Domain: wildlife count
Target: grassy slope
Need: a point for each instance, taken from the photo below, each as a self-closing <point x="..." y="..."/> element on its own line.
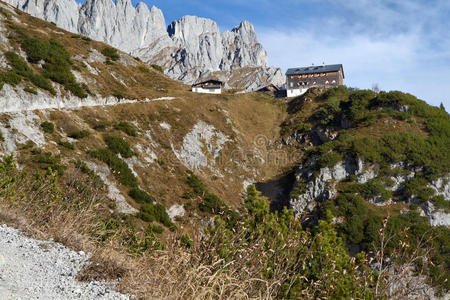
<point x="252" y="116"/>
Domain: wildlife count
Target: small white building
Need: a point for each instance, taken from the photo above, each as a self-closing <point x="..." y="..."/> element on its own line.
<point x="208" y="87"/>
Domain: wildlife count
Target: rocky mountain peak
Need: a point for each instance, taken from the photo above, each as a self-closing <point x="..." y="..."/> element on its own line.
<point x="246" y="30"/>
<point x="186" y="49"/>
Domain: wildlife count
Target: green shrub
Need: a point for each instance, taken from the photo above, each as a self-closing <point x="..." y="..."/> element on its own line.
<point x="57" y="65"/>
<point x="42" y="82"/>
<point x="140" y="196"/>
<point x="86" y="39"/>
<point x="76" y="36"/>
<point x="118" y="145"/>
<point x="212" y="204"/>
<point x="440" y="202"/>
<point x="79" y="134"/>
<point x="48" y="127"/>
<point x="110" y="53"/>
<point x="303" y="127"/>
<point x="137" y="58"/>
<point x="329" y="159"/>
<point x="186" y="241"/>
<point x="3" y="12"/>
<point x="157" y="68"/>
<point x="143" y="69"/>
<point x="127" y="128"/>
<point x="30" y="90"/>
<point x="150" y="213"/>
<point x="155" y="229"/>
<point x="10" y="78"/>
<point x="47" y="161"/>
<point x="418" y="187"/>
<point x="373" y="188"/>
<point x="66" y="144"/>
<point x="83" y="167"/>
<point x="36" y="49"/>
<point x="196" y="184"/>
<point x="120" y="169"/>
<point x="100" y="127"/>
<point x="2" y="139"/>
<point x="118" y="95"/>
<point x="109" y="62"/>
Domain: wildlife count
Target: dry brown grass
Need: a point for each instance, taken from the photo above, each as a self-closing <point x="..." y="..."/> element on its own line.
<point x="70" y="216"/>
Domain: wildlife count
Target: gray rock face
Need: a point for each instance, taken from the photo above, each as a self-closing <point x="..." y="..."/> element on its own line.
<point x="437" y="217"/>
<point x="64" y="13"/>
<point x="121" y="24"/>
<point x="187" y="49"/>
<point x="321" y="186"/>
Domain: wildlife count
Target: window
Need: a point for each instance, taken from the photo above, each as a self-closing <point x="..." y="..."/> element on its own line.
<point x="292" y="84"/>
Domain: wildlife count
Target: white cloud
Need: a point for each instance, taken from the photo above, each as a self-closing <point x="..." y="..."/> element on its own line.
<point x="400" y="45"/>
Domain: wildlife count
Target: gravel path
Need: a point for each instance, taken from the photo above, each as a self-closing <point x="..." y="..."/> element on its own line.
<point x="33" y="269"/>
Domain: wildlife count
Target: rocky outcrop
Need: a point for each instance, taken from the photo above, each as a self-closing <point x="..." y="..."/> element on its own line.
<point x="320" y="185"/>
<point x="64" y="13"/>
<point x="437" y="217"/>
<point x="202" y="136"/>
<point x="121" y="25"/>
<point x="187" y="49"/>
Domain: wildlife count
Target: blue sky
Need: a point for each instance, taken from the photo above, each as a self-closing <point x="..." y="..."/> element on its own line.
<point x="397" y="44"/>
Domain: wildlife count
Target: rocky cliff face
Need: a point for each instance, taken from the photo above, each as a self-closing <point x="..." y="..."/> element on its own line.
<point x="187" y="49"/>
<point x="321" y="185"/>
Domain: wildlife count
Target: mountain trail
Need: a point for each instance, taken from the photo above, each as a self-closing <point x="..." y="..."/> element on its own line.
<point x="33" y="269"/>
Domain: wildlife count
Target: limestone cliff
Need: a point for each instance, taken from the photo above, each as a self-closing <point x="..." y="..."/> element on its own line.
<point x="186" y="49"/>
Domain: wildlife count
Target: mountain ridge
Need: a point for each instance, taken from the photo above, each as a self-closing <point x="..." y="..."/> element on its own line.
<point x="187" y="48"/>
<point x="135" y="162"/>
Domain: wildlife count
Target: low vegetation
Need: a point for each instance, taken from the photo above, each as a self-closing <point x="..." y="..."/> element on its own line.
<point x="111" y="53"/>
<point x="66" y="145"/>
<point x="361" y="107"/>
<point x="48" y="127"/>
<point x="120" y="168"/>
<point x="55" y="61"/>
<point x="20" y="71"/>
<point x="354" y="113"/>
<point x="210" y="202"/>
<point x="158" y="68"/>
<point x="79" y="134"/>
<point x="30" y="90"/>
<point x="127" y="128"/>
<point x="118" y="145"/>
<point x="144" y="69"/>
<point x="141" y="196"/>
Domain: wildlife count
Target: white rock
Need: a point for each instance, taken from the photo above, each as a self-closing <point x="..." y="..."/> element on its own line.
<point x="114" y="193"/>
<point x="176" y="211"/>
<point x="202" y="136"/>
<point x="437" y="217"/>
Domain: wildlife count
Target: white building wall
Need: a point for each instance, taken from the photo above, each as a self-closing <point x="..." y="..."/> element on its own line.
<point x="295" y="92"/>
<point x="206" y="91"/>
